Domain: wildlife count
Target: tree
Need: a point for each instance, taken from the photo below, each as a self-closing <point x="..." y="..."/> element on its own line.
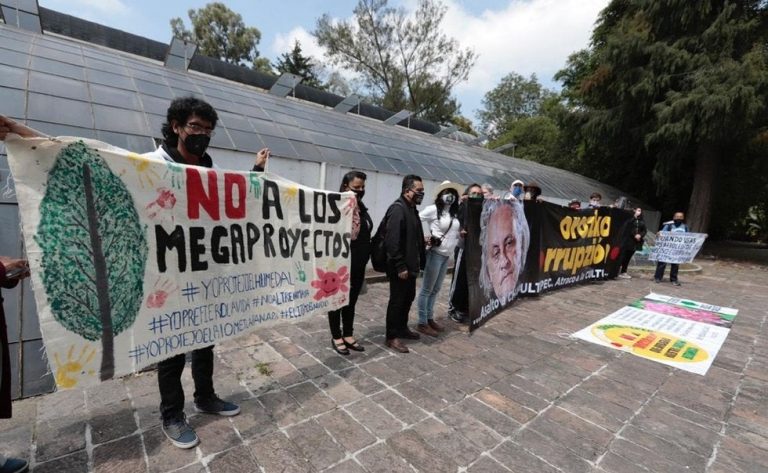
<point x="514" y="98"/>
<point x="93" y="250"/>
<point x="671" y="89"/>
<point x="295" y="62"/>
<point x="221" y="33"/>
<point x="405" y="61"/>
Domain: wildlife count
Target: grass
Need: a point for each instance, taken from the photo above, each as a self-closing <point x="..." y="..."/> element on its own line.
<point x="264" y="368"/>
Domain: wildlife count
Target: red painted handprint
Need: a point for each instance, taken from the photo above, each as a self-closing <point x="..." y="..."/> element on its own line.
<point x="158" y="297"/>
<point x="165" y="201"/>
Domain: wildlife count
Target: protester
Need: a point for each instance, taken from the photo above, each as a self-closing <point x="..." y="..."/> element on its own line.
<point x="12" y="270"/>
<point x="362" y="225"/>
<point x="487" y="190"/>
<point x="505" y="238"/>
<point x="594" y="200"/>
<point x="574" y="204"/>
<point x="532" y="192"/>
<point x="404" y="242"/>
<point x="458" y="296"/>
<point x="677" y="225"/>
<point x="444" y="236"/>
<point x="632" y="240"/>
<point x="515" y="190"/>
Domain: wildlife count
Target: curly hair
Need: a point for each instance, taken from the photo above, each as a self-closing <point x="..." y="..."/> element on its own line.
<point x="522" y="239"/>
<point x="180" y="110"/>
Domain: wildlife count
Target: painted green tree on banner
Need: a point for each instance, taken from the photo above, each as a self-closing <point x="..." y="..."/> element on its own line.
<point x="94" y="249"/>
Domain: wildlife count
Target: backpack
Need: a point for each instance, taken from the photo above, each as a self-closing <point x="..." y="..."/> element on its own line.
<point x="378" y="248"/>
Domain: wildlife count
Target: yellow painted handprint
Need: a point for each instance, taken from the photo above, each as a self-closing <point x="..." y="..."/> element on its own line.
<point x="69" y="372"/>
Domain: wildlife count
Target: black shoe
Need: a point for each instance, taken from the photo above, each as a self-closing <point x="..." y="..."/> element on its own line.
<point x="340" y="349"/>
<point x="410" y="335"/>
<point x="676" y="283"/>
<point x="657" y="281"/>
<point x="458" y="317"/>
<point x="354" y="346"/>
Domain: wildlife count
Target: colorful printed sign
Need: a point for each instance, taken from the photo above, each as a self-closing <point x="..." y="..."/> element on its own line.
<point x="136" y="260"/>
<point x="677" y="247"/>
<point x="673" y="331"/>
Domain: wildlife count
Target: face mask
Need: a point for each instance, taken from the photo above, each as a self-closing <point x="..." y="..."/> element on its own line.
<point x="448" y="199"/>
<point x="359" y="194"/>
<point x="197" y="144"/>
<point x="637" y="214"/>
<point x="516" y="191"/>
<point x="476" y="196"/>
<point x="418" y="197"/>
<point x="678" y="222"/>
<point x="528" y="196"/>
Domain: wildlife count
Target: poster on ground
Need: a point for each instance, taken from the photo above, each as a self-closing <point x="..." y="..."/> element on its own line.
<point x="135" y="260"/>
<point x="677" y="332"/>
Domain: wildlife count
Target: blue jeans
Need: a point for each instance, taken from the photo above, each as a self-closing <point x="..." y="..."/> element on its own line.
<point x="434" y="273"/>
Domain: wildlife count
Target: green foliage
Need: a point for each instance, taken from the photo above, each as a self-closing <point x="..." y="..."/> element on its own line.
<point x="405" y="61"/>
<point x="295" y="62"/>
<point x="221" y="33"/>
<point x="668" y="93"/>
<point x="513" y="99"/>
<point x="535" y="138"/>
<point x="69" y="273"/>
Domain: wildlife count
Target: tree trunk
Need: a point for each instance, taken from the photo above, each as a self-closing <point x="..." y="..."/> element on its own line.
<point x="101" y="276"/>
<point x="700" y="204"/>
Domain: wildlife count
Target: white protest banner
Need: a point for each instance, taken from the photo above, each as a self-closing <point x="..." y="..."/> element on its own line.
<point x="136" y="260"/>
<point x="676" y="332"/>
<point x="677" y="247"/>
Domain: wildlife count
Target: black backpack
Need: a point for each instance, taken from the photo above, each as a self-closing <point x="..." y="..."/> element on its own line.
<point x="378" y="248"/>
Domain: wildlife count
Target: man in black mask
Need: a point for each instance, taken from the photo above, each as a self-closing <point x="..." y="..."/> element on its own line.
<point x="187" y="131"/>
<point x="405" y="258"/>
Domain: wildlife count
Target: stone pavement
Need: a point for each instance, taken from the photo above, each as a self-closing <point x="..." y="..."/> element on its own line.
<point x="518" y="395"/>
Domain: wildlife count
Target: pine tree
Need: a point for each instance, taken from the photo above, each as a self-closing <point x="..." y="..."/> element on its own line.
<point x="669" y="90"/>
<point x="295" y="62"/>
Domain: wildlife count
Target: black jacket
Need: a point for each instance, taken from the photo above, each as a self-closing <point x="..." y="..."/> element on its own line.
<point x="633" y="227"/>
<point x="404" y="240"/>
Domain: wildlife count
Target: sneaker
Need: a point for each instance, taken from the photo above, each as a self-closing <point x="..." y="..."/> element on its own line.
<point x="624" y="276"/>
<point x="217" y="406"/>
<point x="657" y="281"/>
<point x="676" y="283"/>
<point x="180" y="433"/>
<point x="15" y="465"/>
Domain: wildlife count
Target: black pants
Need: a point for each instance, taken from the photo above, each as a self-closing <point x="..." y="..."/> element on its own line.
<point x="626" y="257"/>
<point x="458" y="297"/>
<point x="169" y="381"/>
<point x="346" y="315"/>
<point x="660" y="267"/>
<point x="401" y="295"/>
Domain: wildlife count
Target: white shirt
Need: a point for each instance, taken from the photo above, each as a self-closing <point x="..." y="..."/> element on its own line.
<point x="445" y="227"/>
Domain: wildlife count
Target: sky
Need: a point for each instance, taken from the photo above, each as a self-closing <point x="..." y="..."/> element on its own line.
<point x="522" y="36"/>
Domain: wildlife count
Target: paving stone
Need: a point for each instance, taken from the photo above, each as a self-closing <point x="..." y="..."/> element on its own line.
<point x="587" y="440"/>
<point x="309" y="366"/>
<point x="112" y="421"/>
<point x="312" y="400"/>
<point x="75" y="463"/>
<point x="477" y="432"/>
<point x="276" y="452"/>
<point x="518" y="460"/>
<point x="349" y="433"/>
<point x="234" y="460"/>
<point x="404" y="410"/>
<point x="338" y="389"/>
<point x="552" y="452"/>
<point x="505" y="405"/>
<point x="347" y="466"/>
<point x="688" y="435"/>
<point x="423" y="398"/>
<point x="374" y="417"/>
<point x="663" y="448"/>
<point x="16" y="442"/>
<point x="635" y="454"/>
<point x="121" y="456"/>
<point x="360" y="380"/>
<point x="604" y="413"/>
<point x="319" y="447"/>
<point x="60" y="404"/>
<point x="416" y="451"/>
<point x="216" y="433"/>
<point x="449" y="442"/>
<point x="282" y="407"/>
<point x="254" y="420"/>
<point x="59" y="437"/>
<point x="500" y="423"/>
<point x="381" y="459"/>
<point x="486" y="464"/>
<point x="162" y="454"/>
<point x="612" y="463"/>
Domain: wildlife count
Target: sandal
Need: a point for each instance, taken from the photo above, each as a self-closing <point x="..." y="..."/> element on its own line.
<point x="341" y="348"/>
<point x="354" y="346"/>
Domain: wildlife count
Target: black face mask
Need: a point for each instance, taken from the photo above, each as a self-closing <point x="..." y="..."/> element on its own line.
<point x="678" y="222"/>
<point x="197" y="144"/>
<point x="476" y="197"/>
<point x="359" y="194"/>
<point x="418" y="197"/>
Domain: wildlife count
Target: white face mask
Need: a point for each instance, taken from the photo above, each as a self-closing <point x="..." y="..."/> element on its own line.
<point x="594" y="202"/>
<point x="448" y="199"/>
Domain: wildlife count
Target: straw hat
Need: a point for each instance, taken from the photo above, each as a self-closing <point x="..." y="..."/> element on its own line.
<point x="448" y="185"/>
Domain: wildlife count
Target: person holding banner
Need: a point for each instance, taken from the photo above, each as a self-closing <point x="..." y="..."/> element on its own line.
<point x="458" y="296"/>
<point x="404" y="242"/>
<point x="12" y="270"/>
<point x="632" y="240"/>
<point x="505" y="237"/>
<point x="362" y="225"/>
<point x="677" y="225"/>
<point x="441" y="217"/>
